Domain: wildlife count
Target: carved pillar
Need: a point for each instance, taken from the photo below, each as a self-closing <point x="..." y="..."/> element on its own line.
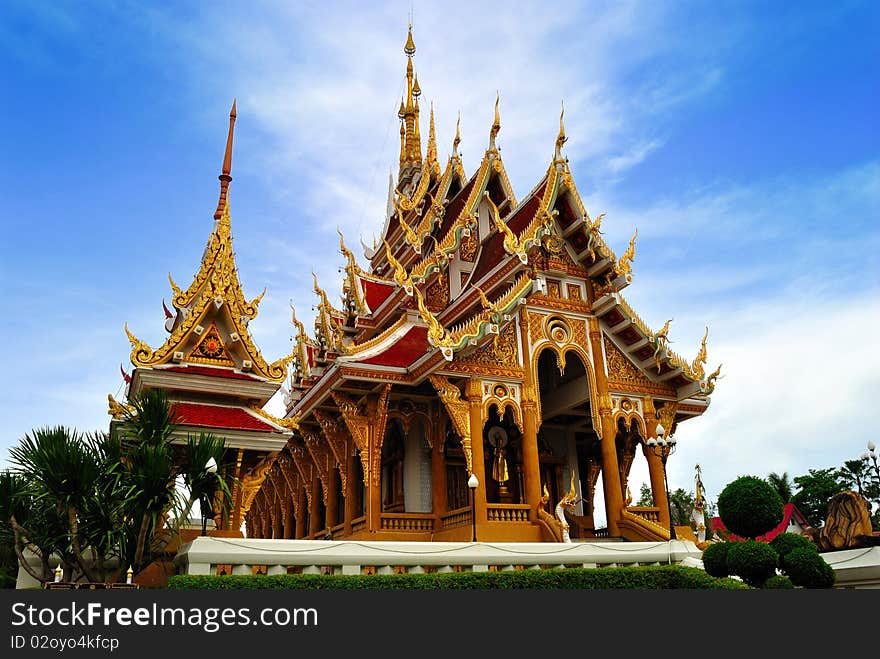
<point x="367" y="428"/>
<point x="610" y="469"/>
<point x="655" y="466"/>
<point x="278" y="517"/>
<point x="332" y="498"/>
<point x="316" y="522"/>
<point x="439" y="504"/>
<point x="235" y="518"/>
<point x="474" y="393"/>
<point x="288" y="516"/>
<point x="531" y="461"/>
<point x="350" y="496"/>
<point x="300" y="504"/>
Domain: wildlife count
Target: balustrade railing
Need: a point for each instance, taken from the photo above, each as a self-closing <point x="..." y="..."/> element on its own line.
<point x="507" y="512"/>
<point x="414" y="522"/>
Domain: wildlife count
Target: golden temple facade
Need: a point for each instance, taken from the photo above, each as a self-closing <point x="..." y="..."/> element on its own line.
<point x="484" y="341"/>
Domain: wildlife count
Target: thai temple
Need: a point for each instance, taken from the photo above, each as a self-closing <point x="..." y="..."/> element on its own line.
<point x="482" y="373"/>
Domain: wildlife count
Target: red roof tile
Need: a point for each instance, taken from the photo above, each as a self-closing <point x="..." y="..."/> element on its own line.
<point x="216" y="416"/>
<point x="403" y="352"/>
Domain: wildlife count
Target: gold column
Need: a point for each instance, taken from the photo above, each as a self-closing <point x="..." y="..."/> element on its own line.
<point x="332" y="498"/>
<point x="315" y="521"/>
<point x="235" y="518"/>
<point x="277" y="518"/>
<point x="610" y="470"/>
<point x="531" y="461"/>
<point x="301" y="529"/>
<point x="655" y="466"/>
<point x="474" y="393"/>
<point x="350" y="501"/>
<point x="288" y="516"/>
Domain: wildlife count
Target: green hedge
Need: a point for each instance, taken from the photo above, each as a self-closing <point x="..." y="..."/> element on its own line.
<point x="633" y="578"/>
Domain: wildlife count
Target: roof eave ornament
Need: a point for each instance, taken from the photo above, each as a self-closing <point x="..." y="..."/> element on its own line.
<point x="496" y="126"/>
<point x="560" y="138"/>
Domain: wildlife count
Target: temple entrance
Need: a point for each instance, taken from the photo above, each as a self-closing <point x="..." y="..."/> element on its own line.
<point x="568" y="445"/>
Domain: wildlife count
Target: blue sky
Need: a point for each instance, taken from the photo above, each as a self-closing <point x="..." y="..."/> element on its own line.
<point x="740" y="139"/>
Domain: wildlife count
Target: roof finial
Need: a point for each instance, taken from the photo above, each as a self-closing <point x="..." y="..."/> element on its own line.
<point x="561" y="138"/>
<point x="457" y="139"/>
<point x="410" y="47"/>
<point x="225" y="177"/>
<point x="496" y="124"/>
<point x="431" y="153"/>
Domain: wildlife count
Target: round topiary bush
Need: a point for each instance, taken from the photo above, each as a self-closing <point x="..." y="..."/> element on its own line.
<point x="806" y="568"/>
<point x="749" y="507"/>
<point x="715" y="559"/>
<point x="754" y="562"/>
<point x="785" y="543"/>
<point x="778" y="582"/>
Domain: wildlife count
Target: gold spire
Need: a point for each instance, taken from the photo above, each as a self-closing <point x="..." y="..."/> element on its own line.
<point x="410" y="47"/>
<point x="411" y="148"/>
<point x="431" y="153"/>
<point x="457" y="139"/>
<point x="561" y="138"/>
<point x="225" y="176"/>
<point x="215" y="291"/>
<point x="496" y="124"/>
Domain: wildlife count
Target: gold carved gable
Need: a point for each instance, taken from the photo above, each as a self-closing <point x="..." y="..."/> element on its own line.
<point x="500" y="351"/>
<point x="625" y="374"/>
<point x="210" y="349"/>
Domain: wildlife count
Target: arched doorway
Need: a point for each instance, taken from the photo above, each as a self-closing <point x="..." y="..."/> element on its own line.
<point x="502" y="451"/>
<point x="568" y="445"/>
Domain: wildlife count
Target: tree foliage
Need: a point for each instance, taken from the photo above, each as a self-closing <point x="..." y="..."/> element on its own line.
<point x="100" y="503"/>
<point x="815" y="490"/>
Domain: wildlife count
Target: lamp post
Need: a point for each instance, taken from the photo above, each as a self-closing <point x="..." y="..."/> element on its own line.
<point x="663" y="448"/>
<point x="872" y="456"/>
<point x="206" y="503"/>
<point x="473" y="483"/>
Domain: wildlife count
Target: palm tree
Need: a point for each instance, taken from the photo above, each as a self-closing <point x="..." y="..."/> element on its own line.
<point x="782" y="484"/>
<point x="63" y="471"/>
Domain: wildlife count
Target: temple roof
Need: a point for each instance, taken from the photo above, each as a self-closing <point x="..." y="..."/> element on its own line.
<point x="211" y="324"/>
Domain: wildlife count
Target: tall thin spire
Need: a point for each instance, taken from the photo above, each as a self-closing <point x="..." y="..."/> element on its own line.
<point x="561" y="138"/>
<point x="457" y="139"/>
<point x="226" y="177"/>
<point x="411" y="147"/>
<point x="496" y="124"/>
<point x="431" y="153"/>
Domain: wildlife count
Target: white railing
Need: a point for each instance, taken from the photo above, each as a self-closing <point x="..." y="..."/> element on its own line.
<point x="204" y="554"/>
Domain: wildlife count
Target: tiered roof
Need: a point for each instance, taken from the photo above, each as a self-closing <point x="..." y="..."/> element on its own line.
<point x="457" y="256"/>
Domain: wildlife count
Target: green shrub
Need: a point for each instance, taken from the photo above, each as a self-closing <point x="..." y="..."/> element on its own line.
<point x="778" y="582"/>
<point x="753" y="561"/>
<point x="749" y="507"/>
<point x="715" y="559"/>
<point x="635" y="578"/>
<point x="785" y="543"/>
<point x="808" y="569"/>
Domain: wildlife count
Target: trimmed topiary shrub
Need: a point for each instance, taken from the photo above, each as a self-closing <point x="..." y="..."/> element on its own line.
<point x="785" y="543"/>
<point x="806" y="568"/>
<point x="749" y="506"/>
<point x="778" y="582"/>
<point x="715" y="559"/>
<point x="754" y="562"/>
